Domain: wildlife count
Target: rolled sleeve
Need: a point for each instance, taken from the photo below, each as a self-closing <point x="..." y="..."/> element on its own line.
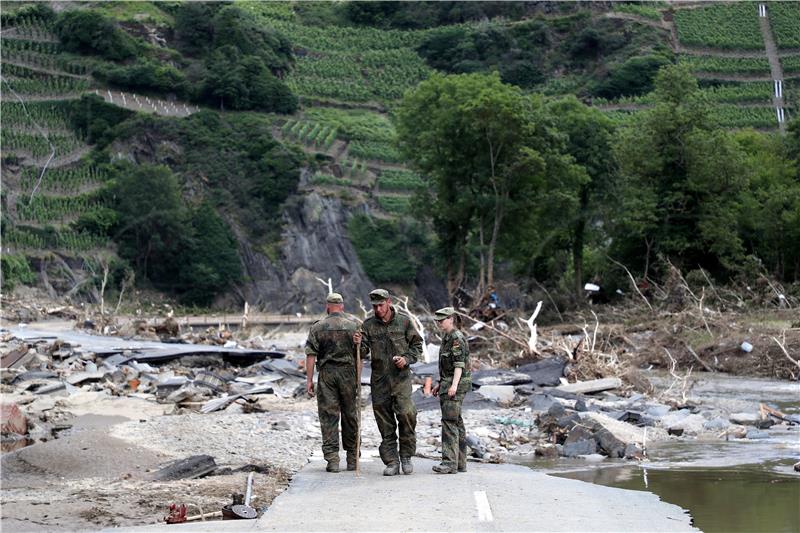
<point x="414" y="345"/>
<point x="312" y="345"/>
<point x="459" y="354"/>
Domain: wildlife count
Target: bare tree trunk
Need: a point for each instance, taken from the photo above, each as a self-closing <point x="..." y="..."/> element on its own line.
<point x="482" y="273"/>
<point x="648" y="243"/>
<point x="577" y="243"/>
<point x="499" y="213"/>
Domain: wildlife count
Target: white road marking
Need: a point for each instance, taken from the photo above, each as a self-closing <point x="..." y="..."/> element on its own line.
<point x="482" y="503"/>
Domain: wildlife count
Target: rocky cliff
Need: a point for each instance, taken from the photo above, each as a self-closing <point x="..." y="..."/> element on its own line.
<point x="314" y="245"/>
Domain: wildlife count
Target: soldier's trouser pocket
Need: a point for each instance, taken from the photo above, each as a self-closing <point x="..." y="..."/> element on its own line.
<point x="453" y="432"/>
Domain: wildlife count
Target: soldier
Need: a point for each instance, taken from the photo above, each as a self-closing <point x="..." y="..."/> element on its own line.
<point x="455" y="380"/>
<point x="330" y="345"/>
<point x="392" y="343"/>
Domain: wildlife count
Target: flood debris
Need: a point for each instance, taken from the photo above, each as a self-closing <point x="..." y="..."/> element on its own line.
<point x="189" y="468"/>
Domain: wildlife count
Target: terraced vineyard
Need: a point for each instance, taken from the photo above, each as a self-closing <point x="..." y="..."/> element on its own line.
<point x="727" y="65"/>
<point x="729" y="26"/>
<point x="347" y="64"/>
<point x="43" y="202"/>
<point x="720" y="32"/>
<point x="784" y="17"/>
<point x="349" y="79"/>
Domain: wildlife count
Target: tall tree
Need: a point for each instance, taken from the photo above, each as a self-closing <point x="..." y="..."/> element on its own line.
<point x="486" y="149"/>
<point x="588" y="141"/>
<point x="151" y="220"/>
<point x="770" y="214"/>
<point x="681" y="178"/>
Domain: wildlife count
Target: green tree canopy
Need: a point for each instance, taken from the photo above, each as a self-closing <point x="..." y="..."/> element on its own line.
<point x="680" y="181"/>
<point x="488" y="150"/>
<point x="89" y="32"/>
<point x="151" y="220"/>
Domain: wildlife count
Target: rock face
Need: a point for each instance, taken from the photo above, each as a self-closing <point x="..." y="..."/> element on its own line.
<point x="314" y="245"/>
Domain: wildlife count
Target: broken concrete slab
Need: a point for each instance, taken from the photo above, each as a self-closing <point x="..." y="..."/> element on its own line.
<point x="472" y="400"/>
<point x="189" y="468"/>
<point x="33" y="374"/>
<point x="141" y="350"/>
<point x="595" y="385"/>
<point x="502" y="394"/>
<point x="541" y="402"/>
<point x="83" y="377"/>
<point x="623" y="431"/>
<point x="499" y="376"/>
<point x="547" y="372"/>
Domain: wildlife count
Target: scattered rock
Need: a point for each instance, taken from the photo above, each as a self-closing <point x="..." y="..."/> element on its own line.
<point x="745" y="419"/>
<point x="716" y="424"/>
<point x="581" y="447"/>
<point x="632" y="451"/>
<point x="675" y="431"/>
<point x="541" y="402"/>
<point x="549" y="451"/>
<point x="754" y="434"/>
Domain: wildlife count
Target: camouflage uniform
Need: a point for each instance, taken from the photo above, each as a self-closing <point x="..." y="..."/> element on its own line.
<point x="454" y="353"/>
<point x="331" y="342"/>
<point x="391" y="386"/>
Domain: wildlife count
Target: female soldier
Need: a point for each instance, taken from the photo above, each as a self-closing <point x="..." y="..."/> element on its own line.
<point x="455" y="379"/>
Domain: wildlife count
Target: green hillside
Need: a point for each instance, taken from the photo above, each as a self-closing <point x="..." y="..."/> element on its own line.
<point x="320" y="84"/>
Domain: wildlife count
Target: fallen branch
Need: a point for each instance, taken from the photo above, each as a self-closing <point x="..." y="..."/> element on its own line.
<point x="534" y="336"/>
<point x="328" y="284"/>
<point x="502" y="334"/>
<point x="417" y="326"/>
<point x="782" y="346"/>
<point x="766" y="411"/>
<point x="561" y="318"/>
<point x="633" y="281"/>
<point x="697" y="357"/>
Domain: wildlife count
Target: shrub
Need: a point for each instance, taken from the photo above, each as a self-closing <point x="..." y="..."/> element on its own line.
<point x="88" y="32"/>
<point x="385" y="248"/>
<point x="14" y="270"/>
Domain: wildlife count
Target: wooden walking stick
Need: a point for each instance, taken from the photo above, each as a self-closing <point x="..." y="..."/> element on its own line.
<point x="358" y="405"/>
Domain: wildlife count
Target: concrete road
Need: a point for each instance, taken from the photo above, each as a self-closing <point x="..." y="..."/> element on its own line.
<point x="486" y="498"/>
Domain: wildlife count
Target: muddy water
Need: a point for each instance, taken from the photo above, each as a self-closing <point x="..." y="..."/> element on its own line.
<point x="737" y="485"/>
<point x="743" y="499"/>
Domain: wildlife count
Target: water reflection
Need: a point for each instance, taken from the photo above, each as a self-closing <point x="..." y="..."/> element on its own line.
<point x="719" y="500"/>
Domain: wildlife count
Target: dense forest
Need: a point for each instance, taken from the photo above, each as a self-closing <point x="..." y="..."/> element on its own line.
<point x="543" y="144"/>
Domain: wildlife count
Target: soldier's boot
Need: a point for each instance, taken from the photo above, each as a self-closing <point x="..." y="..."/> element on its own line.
<point x="444" y="469"/>
<point x="333" y="465"/>
<point x="351" y="460"/>
<point x="408" y="466"/>
<point x="392" y="469"/>
<point x="462" y="467"/>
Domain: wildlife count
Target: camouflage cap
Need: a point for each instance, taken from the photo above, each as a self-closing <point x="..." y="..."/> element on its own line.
<point x="444" y="312"/>
<point x="334" y="298"/>
<point x="379" y="295"/>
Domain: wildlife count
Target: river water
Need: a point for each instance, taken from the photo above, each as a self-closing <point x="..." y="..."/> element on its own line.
<point x="738" y="485"/>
